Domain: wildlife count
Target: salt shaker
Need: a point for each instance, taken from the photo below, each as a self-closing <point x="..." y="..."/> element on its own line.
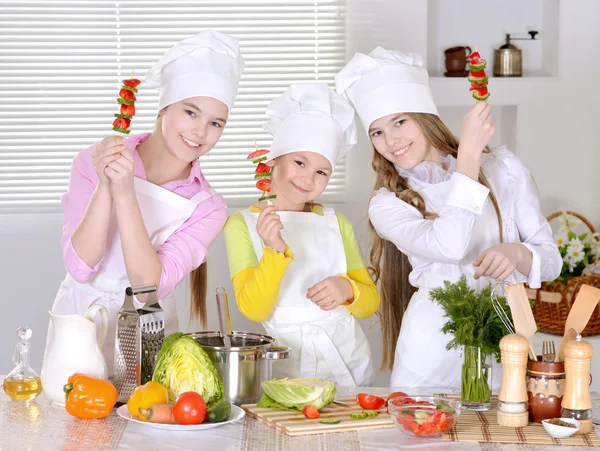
<point x="512" y="400"/>
<point x="577" y="403"/>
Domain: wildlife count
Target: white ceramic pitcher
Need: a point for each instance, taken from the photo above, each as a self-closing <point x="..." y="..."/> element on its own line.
<point x="74" y="349"/>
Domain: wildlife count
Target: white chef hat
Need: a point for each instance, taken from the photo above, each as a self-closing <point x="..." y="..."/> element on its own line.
<point x="386" y="82"/>
<point x="206" y="64"/>
<point x="311" y="117"/>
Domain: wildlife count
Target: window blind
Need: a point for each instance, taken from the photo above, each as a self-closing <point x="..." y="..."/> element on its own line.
<point x="61" y="63"/>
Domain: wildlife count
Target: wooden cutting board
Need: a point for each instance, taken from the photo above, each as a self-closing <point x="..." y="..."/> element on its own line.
<point x="295" y="423"/>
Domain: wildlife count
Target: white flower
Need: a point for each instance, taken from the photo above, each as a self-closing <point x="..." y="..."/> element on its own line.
<point x="595" y="249"/>
<point x="575" y="245"/>
<point x="561" y="238"/>
<point x="571" y="263"/>
<point x="575" y="254"/>
<point x="568" y="222"/>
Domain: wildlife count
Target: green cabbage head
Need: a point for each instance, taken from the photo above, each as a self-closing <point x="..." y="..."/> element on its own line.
<point x="182" y="365"/>
<point x="297" y="393"/>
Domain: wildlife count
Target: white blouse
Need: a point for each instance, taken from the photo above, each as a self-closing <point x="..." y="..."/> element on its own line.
<point x="444" y="248"/>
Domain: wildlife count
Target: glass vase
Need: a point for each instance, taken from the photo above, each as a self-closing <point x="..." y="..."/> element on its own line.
<point x="476" y="387"/>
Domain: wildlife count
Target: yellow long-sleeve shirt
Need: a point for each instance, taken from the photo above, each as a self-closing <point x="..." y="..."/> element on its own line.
<point x="256" y="284"/>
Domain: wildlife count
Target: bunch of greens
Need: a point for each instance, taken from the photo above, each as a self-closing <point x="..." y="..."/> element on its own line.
<point x="471" y="316"/>
<point x="182" y="365"/>
<point x="295" y="394"/>
<point x="477" y="328"/>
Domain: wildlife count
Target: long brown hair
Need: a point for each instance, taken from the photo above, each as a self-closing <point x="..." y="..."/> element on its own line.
<point x="389" y="266"/>
<point x="198" y="287"/>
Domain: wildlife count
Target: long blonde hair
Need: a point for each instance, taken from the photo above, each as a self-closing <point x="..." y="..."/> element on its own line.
<point x="389" y="266"/>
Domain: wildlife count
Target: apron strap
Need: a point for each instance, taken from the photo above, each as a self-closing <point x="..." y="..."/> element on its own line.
<point x="332" y="220"/>
<point x="251" y="221"/>
<point x="318" y="337"/>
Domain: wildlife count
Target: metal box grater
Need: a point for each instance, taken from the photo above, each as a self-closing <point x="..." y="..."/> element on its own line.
<point x="139" y="336"/>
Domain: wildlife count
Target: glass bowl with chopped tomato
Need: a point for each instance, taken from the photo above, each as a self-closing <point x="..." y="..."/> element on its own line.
<point x="424" y="416"/>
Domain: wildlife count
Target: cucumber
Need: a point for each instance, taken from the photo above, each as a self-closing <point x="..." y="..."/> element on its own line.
<point x="219" y="411"/>
<point x="263" y="175"/>
<point x="121" y="130"/>
<point x="259" y="160"/>
<point x="330" y="421"/>
<point x="478" y="67"/>
<point x="129" y="88"/>
<point x="477" y="79"/>
<point x="358" y="415"/>
<point x="478" y="97"/>
<point x="421" y="416"/>
<point x="122" y="101"/>
<point x="123" y="116"/>
<point x="371" y="413"/>
<point x="271" y="196"/>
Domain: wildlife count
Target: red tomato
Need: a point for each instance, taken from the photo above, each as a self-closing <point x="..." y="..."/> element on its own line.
<point x="122" y="123"/>
<point x="311" y="412"/>
<point x="126" y="94"/>
<point x="128" y="110"/>
<point x="370" y="402"/>
<point x="257" y="154"/>
<point x="475" y="58"/>
<point x="262" y="168"/>
<point x="394" y="395"/>
<point x="189" y="408"/>
<point x="264" y="185"/>
<point x="132" y="83"/>
<point x="479" y="73"/>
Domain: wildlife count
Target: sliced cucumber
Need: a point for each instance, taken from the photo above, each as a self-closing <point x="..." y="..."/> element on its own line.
<point x="269" y="197"/>
<point x="478" y="97"/>
<point x="371" y="413"/>
<point x="477" y="79"/>
<point x="121" y="130"/>
<point x="263" y="175"/>
<point x="123" y="116"/>
<point x="129" y="88"/>
<point x="122" y="101"/>
<point x="479" y="66"/>
<point x="358" y="415"/>
<point x="259" y="160"/>
<point x="329" y="421"/>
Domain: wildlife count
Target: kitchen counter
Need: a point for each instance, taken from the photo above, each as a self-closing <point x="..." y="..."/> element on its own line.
<point x="40" y="426"/>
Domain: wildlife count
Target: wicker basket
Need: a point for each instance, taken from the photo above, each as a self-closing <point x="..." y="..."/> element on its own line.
<point x="553" y="300"/>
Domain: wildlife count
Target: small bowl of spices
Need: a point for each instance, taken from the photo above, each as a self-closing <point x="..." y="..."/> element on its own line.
<point x="561" y="427"/>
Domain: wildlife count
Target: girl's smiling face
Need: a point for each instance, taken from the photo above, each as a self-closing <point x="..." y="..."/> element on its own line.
<point x="399" y="140"/>
<point x="192" y="127"/>
<point x="298" y="178"/>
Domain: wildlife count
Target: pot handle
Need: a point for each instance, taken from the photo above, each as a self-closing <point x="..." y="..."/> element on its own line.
<point x="276" y="353"/>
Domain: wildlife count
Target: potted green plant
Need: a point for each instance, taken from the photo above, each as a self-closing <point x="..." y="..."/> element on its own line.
<point x="477" y="329"/>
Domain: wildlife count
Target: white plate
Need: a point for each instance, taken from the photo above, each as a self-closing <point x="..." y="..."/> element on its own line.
<point x="236" y="414"/>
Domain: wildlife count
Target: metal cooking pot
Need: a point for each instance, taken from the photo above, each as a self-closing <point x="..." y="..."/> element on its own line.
<point x="243" y="366"/>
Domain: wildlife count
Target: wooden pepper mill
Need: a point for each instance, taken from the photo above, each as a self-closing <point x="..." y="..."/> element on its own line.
<point x="512" y="401"/>
<point x="576" y="402"/>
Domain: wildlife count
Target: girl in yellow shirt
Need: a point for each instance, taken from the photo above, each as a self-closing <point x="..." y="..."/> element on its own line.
<point x="296" y="266"/>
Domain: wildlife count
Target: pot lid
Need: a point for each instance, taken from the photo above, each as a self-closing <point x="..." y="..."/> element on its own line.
<point x="240" y="341"/>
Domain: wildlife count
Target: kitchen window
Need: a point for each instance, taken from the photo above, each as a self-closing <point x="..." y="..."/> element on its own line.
<point x="61" y="63"/>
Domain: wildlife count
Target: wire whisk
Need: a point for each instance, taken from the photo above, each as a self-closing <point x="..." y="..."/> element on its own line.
<point x="500" y="311"/>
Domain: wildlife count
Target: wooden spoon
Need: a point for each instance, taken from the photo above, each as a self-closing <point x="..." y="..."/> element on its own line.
<point x="582" y="309"/>
<point x="570" y="335"/>
<point x="522" y="315"/>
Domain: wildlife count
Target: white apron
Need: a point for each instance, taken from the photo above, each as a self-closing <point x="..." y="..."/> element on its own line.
<point x="421" y="358"/>
<point x="325" y="344"/>
<point x="163" y="212"/>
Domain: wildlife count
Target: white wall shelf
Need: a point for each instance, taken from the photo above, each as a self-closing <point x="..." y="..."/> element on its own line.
<point x="462" y="22"/>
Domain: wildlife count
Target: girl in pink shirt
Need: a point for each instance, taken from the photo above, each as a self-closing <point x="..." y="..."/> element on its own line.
<point x="139" y="210"/>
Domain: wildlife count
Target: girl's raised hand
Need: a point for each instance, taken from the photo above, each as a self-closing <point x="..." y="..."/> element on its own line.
<point x="330" y="292"/>
<point x="120" y="173"/>
<point x="269" y="228"/>
<point x="104" y="153"/>
<point x="477" y="129"/>
<point x="500" y="260"/>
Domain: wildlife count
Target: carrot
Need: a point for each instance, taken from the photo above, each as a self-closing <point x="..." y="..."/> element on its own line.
<point x="159" y="413"/>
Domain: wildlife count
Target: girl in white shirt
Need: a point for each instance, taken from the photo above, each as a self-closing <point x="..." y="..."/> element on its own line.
<point x="441" y="208"/>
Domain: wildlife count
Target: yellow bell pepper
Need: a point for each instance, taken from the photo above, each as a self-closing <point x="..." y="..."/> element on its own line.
<point x="145" y="396"/>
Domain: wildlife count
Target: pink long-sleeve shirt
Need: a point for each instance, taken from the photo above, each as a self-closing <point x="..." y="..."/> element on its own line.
<point x="183" y="251"/>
